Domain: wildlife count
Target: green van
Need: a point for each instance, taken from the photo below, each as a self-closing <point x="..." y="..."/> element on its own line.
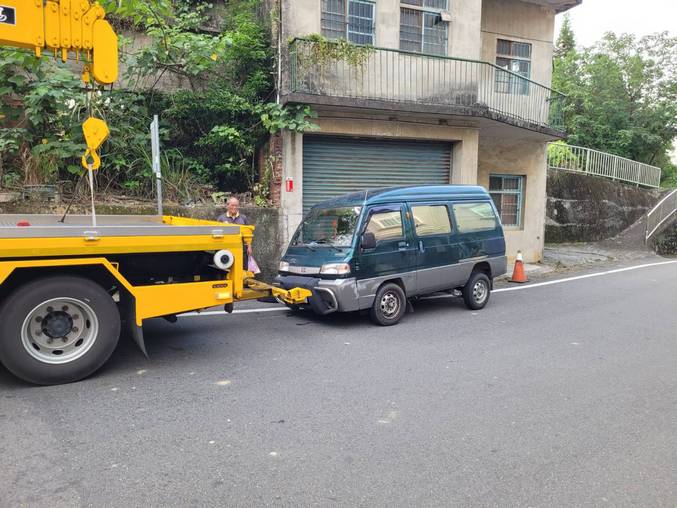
<point x="376" y="249"/>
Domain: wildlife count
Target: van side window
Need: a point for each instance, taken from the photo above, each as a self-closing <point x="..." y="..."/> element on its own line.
<point x="386" y="226"/>
<point x="431" y="220"/>
<point x="471" y="217"/>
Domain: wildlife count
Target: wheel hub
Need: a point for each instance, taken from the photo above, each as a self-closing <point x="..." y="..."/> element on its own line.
<point x="59" y="330"/>
<point x="479" y="291"/>
<point x="57" y="325"/>
<point x="389" y="305"/>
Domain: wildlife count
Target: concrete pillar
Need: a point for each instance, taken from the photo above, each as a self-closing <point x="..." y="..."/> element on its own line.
<point x="387" y="24"/>
<point x="464" y="159"/>
<point x="291" y="203"/>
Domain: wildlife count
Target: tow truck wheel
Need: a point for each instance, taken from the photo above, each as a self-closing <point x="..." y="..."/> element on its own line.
<point x="57" y="330"/>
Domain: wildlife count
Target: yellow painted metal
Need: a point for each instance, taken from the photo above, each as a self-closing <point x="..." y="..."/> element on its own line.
<point x="78" y="8"/>
<point x="28" y="31"/>
<point x="164" y="299"/>
<point x="52" y="25"/>
<point x="96" y="132"/>
<point x="63" y="26"/>
<point x="258" y="289"/>
<point x="150" y="301"/>
<point x="105" y="55"/>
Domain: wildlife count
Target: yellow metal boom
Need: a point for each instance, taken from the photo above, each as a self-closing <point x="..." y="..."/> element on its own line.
<point x="64" y="27"/>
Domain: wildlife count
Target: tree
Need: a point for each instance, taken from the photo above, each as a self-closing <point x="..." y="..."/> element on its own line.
<point x="621" y="95"/>
<point x="212" y="123"/>
<point x="566" y="42"/>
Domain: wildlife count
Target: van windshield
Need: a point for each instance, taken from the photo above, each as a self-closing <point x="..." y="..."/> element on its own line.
<point x="334" y="227"/>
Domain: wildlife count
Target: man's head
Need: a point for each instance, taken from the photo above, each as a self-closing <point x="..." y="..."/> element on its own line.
<point x="233" y="206"/>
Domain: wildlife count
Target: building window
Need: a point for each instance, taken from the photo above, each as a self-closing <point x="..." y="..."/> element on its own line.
<point x="348" y="19"/>
<point x="431" y="220"/>
<point x="514" y="57"/>
<point x="507" y="191"/>
<point x="422" y="30"/>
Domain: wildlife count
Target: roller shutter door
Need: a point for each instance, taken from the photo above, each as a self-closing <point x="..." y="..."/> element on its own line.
<point x="333" y="166"/>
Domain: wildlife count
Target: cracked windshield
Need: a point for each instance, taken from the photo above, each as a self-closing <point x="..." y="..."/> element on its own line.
<point x="333" y="227"/>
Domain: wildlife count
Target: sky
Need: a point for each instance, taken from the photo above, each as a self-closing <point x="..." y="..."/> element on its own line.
<point x="641" y="17"/>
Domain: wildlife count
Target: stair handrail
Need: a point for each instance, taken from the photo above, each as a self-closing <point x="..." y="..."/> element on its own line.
<point x="660" y="213"/>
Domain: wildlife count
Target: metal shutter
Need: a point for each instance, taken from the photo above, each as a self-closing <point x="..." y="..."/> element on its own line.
<point x="333" y="166"/>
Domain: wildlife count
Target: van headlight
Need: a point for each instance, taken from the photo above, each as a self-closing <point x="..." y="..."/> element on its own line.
<point x="335" y="269"/>
<point x="284" y="266"/>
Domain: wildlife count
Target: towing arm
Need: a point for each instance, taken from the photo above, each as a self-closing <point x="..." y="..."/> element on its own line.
<point x="258" y="289"/>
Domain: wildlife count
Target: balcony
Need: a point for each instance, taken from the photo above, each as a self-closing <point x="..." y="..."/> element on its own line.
<point x="395" y="80"/>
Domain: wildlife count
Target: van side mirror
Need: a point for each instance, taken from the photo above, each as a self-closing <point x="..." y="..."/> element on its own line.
<point x="368" y="241"/>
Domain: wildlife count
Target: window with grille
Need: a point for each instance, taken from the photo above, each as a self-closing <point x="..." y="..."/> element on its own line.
<point x="348" y="19"/>
<point x="507" y="191"/>
<point x="423" y="31"/>
<point x="516" y="58"/>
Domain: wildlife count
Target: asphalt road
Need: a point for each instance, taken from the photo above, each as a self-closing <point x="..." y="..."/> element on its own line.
<point x="560" y="395"/>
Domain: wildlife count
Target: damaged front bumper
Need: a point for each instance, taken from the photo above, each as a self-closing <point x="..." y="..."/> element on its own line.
<point x="328" y="295"/>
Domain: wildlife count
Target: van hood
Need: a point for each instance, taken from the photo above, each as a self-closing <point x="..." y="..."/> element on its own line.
<point x="316" y="256"/>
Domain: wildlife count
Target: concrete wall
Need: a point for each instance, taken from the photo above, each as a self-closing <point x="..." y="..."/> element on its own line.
<point x="525" y="158"/>
<point x="521" y="22"/>
<point x="464" y="155"/>
<point x="583" y="208"/>
<point x="303" y="17"/>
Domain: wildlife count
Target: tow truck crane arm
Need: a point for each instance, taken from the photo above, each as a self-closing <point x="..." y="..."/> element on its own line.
<point x="64" y="27"/>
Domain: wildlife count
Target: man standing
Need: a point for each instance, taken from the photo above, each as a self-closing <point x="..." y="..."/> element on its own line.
<point x="233" y="216"/>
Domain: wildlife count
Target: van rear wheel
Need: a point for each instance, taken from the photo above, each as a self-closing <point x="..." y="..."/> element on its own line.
<point x="477" y="291"/>
<point x="389" y="306"/>
<point x="57" y="330"/>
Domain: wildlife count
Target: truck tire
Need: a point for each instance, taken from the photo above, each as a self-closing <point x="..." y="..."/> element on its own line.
<point x="57" y="330"/>
<point x="477" y="290"/>
<point x="389" y="306"/>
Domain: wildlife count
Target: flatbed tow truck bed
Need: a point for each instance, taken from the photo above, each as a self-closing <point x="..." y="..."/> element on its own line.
<point x="67" y="289"/>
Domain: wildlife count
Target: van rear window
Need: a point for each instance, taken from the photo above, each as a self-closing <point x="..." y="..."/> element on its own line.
<point x="471" y="217"/>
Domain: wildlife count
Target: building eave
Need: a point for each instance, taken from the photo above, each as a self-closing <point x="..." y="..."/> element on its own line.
<point x="557" y="5"/>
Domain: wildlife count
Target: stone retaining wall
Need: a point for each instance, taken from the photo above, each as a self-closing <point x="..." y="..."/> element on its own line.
<point x="583" y="208"/>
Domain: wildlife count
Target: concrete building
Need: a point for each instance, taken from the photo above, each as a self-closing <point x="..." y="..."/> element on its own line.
<point x="453" y="91"/>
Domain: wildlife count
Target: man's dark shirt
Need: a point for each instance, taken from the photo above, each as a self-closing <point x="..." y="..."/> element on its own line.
<point x="239" y="219"/>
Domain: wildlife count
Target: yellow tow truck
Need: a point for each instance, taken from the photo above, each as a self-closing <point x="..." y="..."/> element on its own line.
<point x="69" y="286"/>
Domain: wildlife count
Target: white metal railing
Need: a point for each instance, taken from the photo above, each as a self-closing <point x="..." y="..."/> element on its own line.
<point x="594" y="162"/>
<point x="659" y="214"/>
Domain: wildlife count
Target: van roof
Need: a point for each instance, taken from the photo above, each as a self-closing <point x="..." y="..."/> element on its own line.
<point x="410" y="193"/>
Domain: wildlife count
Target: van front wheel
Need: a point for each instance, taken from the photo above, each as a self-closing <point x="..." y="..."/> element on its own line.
<point x="477" y="291"/>
<point x="389" y="306"/>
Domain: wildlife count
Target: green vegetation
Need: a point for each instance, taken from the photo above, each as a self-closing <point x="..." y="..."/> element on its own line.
<point x="622" y="95"/>
<point x="205" y="69"/>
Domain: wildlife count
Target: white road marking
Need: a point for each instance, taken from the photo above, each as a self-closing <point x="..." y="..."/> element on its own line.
<point x="500" y="290"/>
<point x="586" y="276"/>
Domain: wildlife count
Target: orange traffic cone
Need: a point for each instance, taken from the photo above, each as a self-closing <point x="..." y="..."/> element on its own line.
<point x="518" y="274"/>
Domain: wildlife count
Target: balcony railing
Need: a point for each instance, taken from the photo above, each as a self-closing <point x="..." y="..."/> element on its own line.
<point x="440" y="83"/>
<point x="594" y="162"/>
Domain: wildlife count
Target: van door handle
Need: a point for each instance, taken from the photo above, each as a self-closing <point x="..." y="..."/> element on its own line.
<point x="420" y="246"/>
<point x="402" y="245"/>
